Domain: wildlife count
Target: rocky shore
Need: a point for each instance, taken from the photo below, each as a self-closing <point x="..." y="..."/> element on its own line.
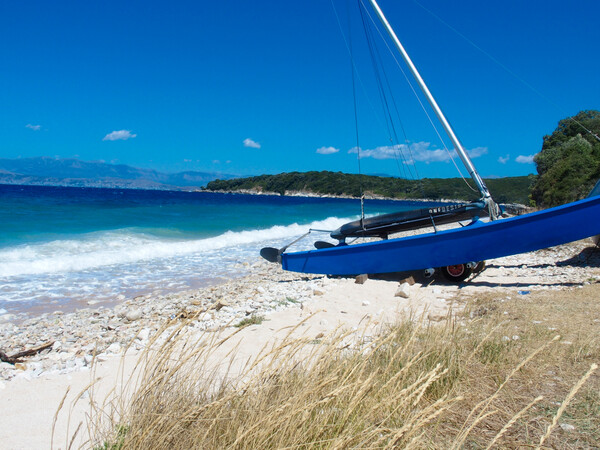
<point x="310" y="194"/>
<point x="78" y="336"/>
<point x="83" y="335"/>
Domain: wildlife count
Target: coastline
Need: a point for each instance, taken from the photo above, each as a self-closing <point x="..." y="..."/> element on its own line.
<point x="266" y="289"/>
<point x="89" y="343"/>
<point x="511" y="208"/>
<point x="308" y="194"/>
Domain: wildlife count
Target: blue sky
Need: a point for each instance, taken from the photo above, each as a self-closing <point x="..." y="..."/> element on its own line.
<point x="265" y="86"/>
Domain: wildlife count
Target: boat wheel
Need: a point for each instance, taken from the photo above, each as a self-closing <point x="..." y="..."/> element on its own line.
<point x="457" y="272"/>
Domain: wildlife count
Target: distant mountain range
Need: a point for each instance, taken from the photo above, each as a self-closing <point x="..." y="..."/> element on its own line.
<point x="48" y="171"/>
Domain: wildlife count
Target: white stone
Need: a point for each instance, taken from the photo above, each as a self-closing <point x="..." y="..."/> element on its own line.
<point x="133" y="315"/>
<point x="403" y="291"/>
<point x="366" y="303"/>
<point x="115" y="347"/>
<point x="65" y="356"/>
<point x="144" y="334"/>
<point x="567" y="427"/>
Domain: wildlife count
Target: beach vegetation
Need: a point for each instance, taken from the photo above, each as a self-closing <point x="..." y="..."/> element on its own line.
<point x="254" y="319"/>
<point x="459" y="383"/>
<point x="116" y="443"/>
<point x="287" y="301"/>
<point x="505" y="190"/>
<point x="569" y="163"/>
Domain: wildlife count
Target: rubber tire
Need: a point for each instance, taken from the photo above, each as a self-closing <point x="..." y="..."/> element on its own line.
<point x="456" y="273"/>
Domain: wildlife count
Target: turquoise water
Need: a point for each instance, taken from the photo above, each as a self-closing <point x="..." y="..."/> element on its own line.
<point x="66" y="246"/>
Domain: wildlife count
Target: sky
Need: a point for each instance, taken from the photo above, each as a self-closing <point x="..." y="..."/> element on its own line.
<point x="260" y="87"/>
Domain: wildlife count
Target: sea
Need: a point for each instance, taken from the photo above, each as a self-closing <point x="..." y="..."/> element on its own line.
<point x="63" y="248"/>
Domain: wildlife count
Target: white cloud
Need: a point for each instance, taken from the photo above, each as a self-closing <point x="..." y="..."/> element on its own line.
<point x="419" y="151"/>
<point x="216" y="161"/>
<point x="187" y="160"/>
<point x="327" y="150"/>
<point x="33" y="127"/>
<point x="250" y="143"/>
<point x="119" y="135"/>
<point x="477" y="152"/>
<point x="524" y="159"/>
<point x="503" y="159"/>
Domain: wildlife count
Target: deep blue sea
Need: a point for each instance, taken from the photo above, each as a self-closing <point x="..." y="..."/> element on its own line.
<point x="62" y="247"/>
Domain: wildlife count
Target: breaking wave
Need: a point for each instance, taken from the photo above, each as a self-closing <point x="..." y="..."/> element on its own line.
<point x="122" y="247"/>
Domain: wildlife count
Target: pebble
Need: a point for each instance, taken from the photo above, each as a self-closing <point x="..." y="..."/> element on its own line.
<point x="567" y="427"/>
<point x="133" y="315"/>
<point x="144" y="334"/>
<point x="403" y="290"/>
<point x="115" y="347"/>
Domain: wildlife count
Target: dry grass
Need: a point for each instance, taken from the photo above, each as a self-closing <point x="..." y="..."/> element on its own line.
<point x="465" y="383"/>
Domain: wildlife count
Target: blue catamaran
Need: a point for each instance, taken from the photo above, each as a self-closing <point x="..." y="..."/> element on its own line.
<point x="458" y="250"/>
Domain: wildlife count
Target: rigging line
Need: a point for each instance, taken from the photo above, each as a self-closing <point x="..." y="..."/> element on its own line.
<point x="506" y="68"/>
<point x="353" y="69"/>
<point x="377" y="57"/>
<point x="362" y="84"/>
<point x="420" y="102"/>
<point x="386" y="110"/>
<point x="360" y="175"/>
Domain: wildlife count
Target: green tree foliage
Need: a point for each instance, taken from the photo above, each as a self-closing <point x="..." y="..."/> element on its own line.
<point x="569" y="163"/>
<point x="505" y="190"/>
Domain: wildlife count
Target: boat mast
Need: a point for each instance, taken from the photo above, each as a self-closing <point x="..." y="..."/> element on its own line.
<point x="449" y="131"/>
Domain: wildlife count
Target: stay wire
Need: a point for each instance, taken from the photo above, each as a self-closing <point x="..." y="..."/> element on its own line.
<point x="420" y="102"/>
<point x="377" y="63"/>
<point x="360" y="175"/>
<point x="357" y="73"/>
<point x="393" y="136"/>
<point x="505" y="67"/>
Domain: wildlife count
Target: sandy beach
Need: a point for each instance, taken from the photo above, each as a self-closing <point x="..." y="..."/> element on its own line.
<point x="88" y="344"/>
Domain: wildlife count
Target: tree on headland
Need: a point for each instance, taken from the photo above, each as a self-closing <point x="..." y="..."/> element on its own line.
<point x="569" y="163"/>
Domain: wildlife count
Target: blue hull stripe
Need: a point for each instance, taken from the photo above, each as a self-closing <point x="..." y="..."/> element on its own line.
<point x="476" y="242"/>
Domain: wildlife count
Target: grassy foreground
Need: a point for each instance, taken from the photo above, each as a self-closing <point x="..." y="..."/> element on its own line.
<point x="506" y="372"/>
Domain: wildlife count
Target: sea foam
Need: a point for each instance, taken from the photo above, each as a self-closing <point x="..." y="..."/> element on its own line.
<point x="110" y="248"/>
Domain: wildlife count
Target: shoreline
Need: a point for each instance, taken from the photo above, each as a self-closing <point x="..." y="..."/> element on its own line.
<point x="101" y="346"/>
<point x="308" y="194"/>
<point x="266" y="289"/>
<point x="511" y="208"/>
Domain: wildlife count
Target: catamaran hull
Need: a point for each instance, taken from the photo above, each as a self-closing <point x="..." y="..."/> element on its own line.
<point x="476" y="242"/>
